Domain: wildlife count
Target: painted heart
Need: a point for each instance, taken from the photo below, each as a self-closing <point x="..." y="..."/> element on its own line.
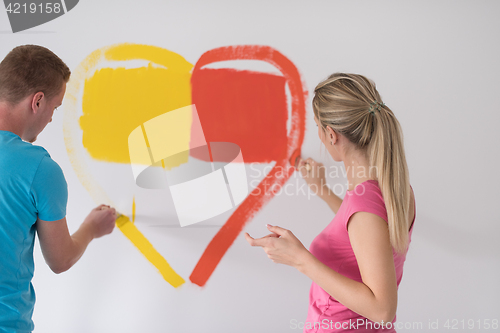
<point x="217" y="94"/>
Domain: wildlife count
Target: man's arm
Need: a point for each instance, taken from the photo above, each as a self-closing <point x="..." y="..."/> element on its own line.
<point x="62" y="250"/>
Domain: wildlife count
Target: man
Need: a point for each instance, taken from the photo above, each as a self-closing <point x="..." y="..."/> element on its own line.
<point x="33" y="190"/>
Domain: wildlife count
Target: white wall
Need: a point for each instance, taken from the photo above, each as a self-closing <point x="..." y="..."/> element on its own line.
<point x="435" y="63"/>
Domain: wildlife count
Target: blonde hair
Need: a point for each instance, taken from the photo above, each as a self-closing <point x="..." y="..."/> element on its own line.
<point x="343" y="102"/>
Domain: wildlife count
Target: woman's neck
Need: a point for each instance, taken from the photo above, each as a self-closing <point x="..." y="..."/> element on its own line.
<point x="357" y="170"/>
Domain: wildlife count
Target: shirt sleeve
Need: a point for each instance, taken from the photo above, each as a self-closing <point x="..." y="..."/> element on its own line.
<point x="370" y="200"/>
<point x="50" y="191"/>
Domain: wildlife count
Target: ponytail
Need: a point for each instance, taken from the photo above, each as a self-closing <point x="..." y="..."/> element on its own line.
<point x="386" y="154"/>
<point x="351" y="105"/>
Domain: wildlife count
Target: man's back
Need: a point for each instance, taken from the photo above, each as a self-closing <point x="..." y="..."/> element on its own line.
<point x="33" y="191"/>
<point x="32" y="186"/>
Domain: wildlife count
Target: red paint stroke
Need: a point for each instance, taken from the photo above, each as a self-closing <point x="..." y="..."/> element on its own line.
<point x="243" y="107"/>
<point x="281" y="171"/>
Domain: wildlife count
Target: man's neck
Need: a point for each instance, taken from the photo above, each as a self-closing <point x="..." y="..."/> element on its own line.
<point x="10" y="120"/>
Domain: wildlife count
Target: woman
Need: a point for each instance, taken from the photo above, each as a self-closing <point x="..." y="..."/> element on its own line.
<point x="356" y="262"/>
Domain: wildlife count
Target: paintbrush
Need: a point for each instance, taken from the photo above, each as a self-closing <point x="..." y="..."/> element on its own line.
<point x="295" y="159"/>
<point x="120" y="219"/>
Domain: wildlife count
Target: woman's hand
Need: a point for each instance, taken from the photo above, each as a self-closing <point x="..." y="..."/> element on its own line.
<point x="313" y="173"/>
<point x="281" y="247"/>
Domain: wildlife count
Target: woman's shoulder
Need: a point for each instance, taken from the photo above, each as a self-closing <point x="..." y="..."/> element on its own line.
<point x="366" y="197"/>
<point x="365" y="190"/>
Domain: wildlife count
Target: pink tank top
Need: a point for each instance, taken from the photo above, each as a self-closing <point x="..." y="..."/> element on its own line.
<point x="333" y="248"/>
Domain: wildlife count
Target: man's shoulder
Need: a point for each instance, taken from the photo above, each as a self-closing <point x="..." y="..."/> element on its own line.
<point x="34" y="156"/>
<point x="47" y="164"/>
<point x="35" y="150"/>
<point x="23" y="149"/>
<point x="24" y="161"/>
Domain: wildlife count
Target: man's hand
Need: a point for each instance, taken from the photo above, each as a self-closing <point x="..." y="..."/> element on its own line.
<point x="101" y="220"/>
<point x="62" y="250"/>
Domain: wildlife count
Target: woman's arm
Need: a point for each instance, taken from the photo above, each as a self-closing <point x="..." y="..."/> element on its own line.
<point x="376" y="297"/>
<point x="314" y="175"/>
<point x="331" y="199"/>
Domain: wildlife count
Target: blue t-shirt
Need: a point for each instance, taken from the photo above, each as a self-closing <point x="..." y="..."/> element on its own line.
<point x="31" y="185"/>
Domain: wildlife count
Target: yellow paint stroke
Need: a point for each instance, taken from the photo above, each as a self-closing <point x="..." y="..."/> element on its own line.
<point x="118" y="100"/>
<point x="137" y="238"/>
<point x="133" y="210"/>
<point x="166" y="135"/>
<point x="169" y="134"/>
<point x="72" y="131"/>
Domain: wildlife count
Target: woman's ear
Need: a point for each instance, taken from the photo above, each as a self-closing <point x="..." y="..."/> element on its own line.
<point x="331" y="135"/>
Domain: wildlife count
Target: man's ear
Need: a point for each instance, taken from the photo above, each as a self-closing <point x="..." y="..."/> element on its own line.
<point x="37" y="101"/>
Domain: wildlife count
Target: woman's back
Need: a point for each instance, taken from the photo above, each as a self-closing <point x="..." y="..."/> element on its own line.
<point x="333" y="248"/>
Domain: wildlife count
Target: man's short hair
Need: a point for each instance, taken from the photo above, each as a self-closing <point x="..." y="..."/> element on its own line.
<point x="29" y="69"/>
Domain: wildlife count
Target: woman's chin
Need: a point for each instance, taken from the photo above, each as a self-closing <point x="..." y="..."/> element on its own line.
<point x="335" y="158"/>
